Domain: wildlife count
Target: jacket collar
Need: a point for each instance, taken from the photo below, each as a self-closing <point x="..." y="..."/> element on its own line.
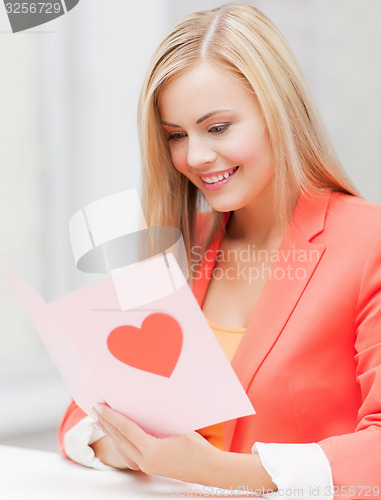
<point x="308" y="219"/>
<point x="310" y="212"/>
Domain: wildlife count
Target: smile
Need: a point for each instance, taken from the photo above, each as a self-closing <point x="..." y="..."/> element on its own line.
<point x="216" y="181"/>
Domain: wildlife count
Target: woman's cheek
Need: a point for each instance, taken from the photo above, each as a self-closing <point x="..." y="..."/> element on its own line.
<point x="240" y="148"/>
<point x="179" y="160"/>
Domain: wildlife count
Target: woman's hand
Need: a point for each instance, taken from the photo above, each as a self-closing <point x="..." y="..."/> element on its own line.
<point x="187" y="457"/>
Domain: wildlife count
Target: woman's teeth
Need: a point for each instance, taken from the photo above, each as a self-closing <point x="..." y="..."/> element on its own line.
<point x="218" y="178"/>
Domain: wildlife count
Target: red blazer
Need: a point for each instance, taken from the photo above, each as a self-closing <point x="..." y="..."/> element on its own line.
<point x="310" y="360"/>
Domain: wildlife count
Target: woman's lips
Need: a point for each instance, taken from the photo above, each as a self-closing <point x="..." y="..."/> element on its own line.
<point x="213" y="181"/>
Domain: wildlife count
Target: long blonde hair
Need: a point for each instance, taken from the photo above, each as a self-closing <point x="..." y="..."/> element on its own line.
<point x="241" y="39"/>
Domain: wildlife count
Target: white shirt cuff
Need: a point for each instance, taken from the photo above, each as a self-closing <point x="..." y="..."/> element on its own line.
<point x="77" y="443"/>
<point x="300" y="471"/>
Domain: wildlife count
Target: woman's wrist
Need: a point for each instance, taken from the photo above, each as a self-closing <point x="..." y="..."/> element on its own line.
<point x="238" y="471"/>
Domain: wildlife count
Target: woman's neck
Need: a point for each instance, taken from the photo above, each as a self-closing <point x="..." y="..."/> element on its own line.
<point x="257" y="224"/>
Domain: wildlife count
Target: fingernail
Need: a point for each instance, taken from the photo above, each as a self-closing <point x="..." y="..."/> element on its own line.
<point x="98" y="408"/>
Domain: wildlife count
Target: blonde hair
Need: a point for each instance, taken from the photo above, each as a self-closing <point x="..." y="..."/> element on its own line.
<point x="241" y="39"/>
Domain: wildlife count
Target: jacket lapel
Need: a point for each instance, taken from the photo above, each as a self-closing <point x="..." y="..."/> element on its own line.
<point x="296" y="262"/>
<point x="200" y="285"/>
<point x="297" y="258"/>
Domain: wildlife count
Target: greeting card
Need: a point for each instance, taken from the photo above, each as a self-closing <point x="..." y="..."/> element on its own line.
<point x="137" y="340"/>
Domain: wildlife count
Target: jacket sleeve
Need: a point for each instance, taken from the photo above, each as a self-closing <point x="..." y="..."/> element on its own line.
<point x="71" y="417"/>
<point x="355" y="458"/>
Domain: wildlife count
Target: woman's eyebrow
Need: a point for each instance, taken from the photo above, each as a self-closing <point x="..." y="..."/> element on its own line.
<point x="200" y="120"/>
<point x="208" y="115"/>
<point x="169" y="124"/>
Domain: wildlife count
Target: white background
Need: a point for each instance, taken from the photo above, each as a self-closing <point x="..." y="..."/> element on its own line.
<point x="68" y="96"/>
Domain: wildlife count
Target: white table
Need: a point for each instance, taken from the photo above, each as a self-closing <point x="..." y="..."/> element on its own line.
<point x="30" y="475"/>
<point x="40" y="475"/>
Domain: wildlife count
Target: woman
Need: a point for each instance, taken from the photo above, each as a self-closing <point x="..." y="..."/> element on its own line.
<point x="225" y="116"/>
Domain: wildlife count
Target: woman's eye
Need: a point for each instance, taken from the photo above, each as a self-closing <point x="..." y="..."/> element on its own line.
<point x="219" y="129"/>
<point x="176" y="137"/>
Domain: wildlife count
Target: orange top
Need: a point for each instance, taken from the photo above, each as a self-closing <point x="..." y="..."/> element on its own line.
<point x="229" y="339"/>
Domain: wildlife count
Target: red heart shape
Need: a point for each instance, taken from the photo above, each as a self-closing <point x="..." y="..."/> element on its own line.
<point x="154" y="348"/>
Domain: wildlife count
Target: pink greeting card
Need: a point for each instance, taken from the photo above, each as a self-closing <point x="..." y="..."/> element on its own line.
<point x="137" y="340"/>
<point x="158" y="362"/>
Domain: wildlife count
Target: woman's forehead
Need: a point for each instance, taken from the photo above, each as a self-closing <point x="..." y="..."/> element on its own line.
<point x="203" y="85"/>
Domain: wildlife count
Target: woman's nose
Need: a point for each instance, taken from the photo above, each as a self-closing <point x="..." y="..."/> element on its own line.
<point x="199" y="152"/>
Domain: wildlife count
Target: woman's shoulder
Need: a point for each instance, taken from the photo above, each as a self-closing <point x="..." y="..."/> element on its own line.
<point x="355" y="201"/>
<point x="354" y="216"/>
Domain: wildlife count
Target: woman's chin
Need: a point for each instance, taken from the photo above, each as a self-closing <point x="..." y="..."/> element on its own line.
<point x="223" y="208"/>
<point x="225" y="205"/>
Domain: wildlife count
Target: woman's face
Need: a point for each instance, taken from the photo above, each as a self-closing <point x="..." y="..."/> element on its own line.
<point x="217" y="136"/>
